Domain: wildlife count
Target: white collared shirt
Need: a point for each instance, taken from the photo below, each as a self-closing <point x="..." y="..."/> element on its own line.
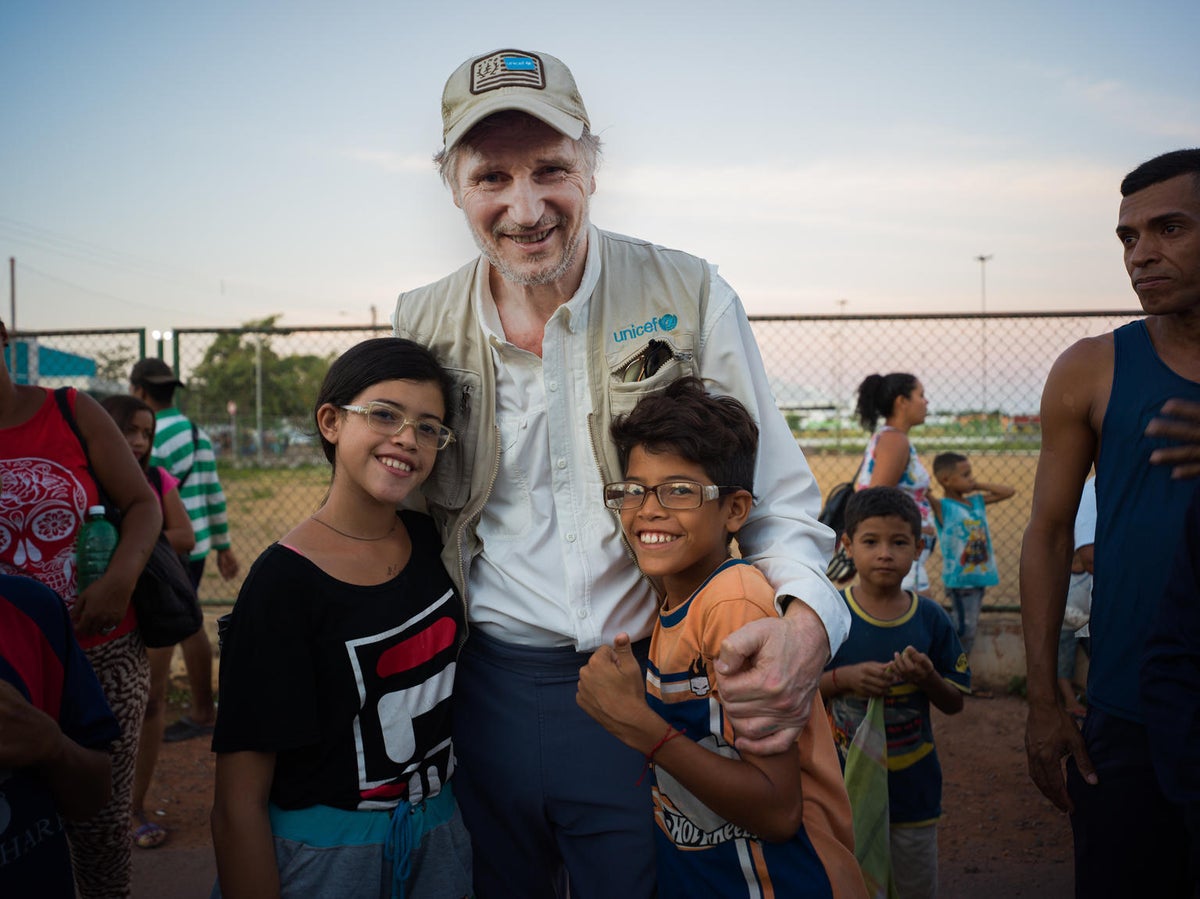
<point x="554" y="570"/>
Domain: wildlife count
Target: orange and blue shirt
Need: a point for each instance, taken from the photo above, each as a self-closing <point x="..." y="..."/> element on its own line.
<point x="699" y="852"/>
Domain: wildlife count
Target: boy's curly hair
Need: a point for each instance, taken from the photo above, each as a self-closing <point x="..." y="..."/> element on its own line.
<point x="880" y="502"/>
<point x="715" y="432"/>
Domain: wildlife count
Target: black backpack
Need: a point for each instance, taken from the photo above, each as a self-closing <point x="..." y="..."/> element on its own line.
<point x="833" y="513"/>
<point x="833" y="516"/>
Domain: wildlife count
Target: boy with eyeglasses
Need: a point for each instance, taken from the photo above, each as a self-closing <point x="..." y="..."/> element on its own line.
<point x="729" y="823"/>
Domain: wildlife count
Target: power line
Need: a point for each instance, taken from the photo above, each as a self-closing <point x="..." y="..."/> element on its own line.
<point x="88" y="290"/>
<point x="86" y="251"/>
<point x="130" y="264"/>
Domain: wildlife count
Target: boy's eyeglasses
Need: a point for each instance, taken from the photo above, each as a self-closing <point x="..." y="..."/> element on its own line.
<point x="384" y="418"/>
<point x="671" y="495"/>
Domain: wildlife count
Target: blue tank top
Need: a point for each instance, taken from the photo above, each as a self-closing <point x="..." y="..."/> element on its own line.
<point x="1140" y="513"/>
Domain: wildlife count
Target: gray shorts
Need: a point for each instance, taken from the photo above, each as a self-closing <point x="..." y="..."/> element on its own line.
<point x="331" y="853"/>
<point x="915" y="861"/>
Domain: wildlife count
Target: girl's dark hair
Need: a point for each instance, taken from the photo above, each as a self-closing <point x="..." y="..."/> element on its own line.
<point x="877" y="395"/>
<point x="373" y="361"/>
<point x="122" y="407"/>
<point x="715" y="432"/>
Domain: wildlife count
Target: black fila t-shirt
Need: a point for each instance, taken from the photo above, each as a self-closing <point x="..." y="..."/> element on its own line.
<point x="349" y="686"/>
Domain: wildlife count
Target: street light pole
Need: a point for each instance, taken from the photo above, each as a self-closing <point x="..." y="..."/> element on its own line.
<point x="161" y="338"/>
<point x="837" y="374"/>
<point x="258" y="396"/>
<point x="983" y="261"/>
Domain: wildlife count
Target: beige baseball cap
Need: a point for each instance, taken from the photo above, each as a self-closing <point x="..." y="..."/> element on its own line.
<point x="535" y="83"/>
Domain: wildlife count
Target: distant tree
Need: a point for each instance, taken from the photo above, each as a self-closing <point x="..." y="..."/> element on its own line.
<point x="113" y="367"/>
<point x="303" y="374"/>
<point x="229" y="372"/>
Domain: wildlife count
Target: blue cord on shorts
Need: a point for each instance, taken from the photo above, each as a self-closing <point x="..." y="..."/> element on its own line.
<point x="399" y="846"/>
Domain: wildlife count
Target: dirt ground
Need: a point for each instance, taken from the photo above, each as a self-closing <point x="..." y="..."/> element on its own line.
<point x="999" y="838"/>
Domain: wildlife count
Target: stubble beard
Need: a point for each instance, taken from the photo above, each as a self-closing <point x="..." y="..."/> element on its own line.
<point x="527" y="278"/>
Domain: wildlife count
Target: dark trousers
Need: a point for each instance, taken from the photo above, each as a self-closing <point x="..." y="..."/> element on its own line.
<point x="1129" y="840"/>
<point x="195" y="572"/>
<point x="548" y="795"/>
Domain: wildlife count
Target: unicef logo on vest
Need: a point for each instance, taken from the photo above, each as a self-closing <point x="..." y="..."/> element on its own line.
<point x="667" y="322"/>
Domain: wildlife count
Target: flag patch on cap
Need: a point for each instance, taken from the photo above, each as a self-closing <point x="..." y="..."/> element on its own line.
<point x="507" y="68"/>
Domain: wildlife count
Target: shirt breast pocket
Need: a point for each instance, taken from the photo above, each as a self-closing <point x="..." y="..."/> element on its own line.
<point x="449" y="484"/>
<point x="509" y="511"/>
<point x="648" y="370"/>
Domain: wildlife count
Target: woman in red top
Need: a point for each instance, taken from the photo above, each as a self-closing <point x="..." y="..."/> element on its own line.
<point x="46" y="491"/>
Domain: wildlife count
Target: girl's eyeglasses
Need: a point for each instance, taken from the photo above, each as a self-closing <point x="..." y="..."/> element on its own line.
<point x="384" y="418"/>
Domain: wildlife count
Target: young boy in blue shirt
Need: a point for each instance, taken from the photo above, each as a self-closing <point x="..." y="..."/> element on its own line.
<point x="902" y="647"/>
<point x="968" y="563"/>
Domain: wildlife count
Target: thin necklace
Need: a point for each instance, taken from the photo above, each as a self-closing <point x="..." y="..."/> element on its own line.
<point x="391" y="530"/>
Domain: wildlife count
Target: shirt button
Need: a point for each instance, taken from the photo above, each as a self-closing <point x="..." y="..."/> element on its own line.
<point x="570" y="538"/>
<point x="562" y="463"/>
<point x="582" y="613"/>
<point x="553" y="385"/>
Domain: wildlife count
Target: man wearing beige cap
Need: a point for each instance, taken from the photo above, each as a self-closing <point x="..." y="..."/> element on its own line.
<point x="553" y="331"/>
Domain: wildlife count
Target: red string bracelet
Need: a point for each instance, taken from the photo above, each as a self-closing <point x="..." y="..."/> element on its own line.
<point x="835" y="683"/>
<point x="671" y="734"/>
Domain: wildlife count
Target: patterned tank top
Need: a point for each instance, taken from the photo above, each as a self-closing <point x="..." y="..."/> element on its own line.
<point x="914" y="480"/>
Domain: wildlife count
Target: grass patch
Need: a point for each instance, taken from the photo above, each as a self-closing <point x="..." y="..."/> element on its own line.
<point x="179" y="698"/>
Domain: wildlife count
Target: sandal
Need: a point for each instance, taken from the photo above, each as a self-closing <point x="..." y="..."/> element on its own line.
<point x="149" y="835"/>
<point x="185" y="729"/>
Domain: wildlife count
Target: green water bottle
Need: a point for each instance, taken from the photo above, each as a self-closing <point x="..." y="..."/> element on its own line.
<point x="94" y="548"/>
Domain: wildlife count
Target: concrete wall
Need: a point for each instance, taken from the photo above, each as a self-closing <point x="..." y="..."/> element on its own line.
<point x="999" y="652"/>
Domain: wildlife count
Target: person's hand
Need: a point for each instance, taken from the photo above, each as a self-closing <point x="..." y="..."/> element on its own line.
<point x="767" y="672"/>
<point x="912" y="666"/>
<point x="28" y="736"/>
<point x="1084" y="560"/>
<point x="1178" y="421"/>
<point x="227" y="564"/>
<point x="1050" y="735"/>
<point x="612" y="689"/>
<point x="99" y="608"/>
<point x="865" y="678"/>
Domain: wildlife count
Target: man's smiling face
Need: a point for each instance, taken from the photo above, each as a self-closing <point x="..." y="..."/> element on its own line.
<point x="524" y="189"/>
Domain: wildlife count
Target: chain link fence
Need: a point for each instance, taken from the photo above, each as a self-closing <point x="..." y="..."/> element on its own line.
<point x="252" y="390"/>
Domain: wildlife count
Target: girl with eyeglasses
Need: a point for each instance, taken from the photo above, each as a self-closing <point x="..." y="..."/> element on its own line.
<point x="334" y="757"/>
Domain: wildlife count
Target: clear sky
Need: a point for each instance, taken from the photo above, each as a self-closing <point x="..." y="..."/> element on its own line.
<point x="168" y="164"/>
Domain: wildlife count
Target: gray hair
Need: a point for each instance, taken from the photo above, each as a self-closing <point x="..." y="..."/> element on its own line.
<point x="446" y="160"/>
